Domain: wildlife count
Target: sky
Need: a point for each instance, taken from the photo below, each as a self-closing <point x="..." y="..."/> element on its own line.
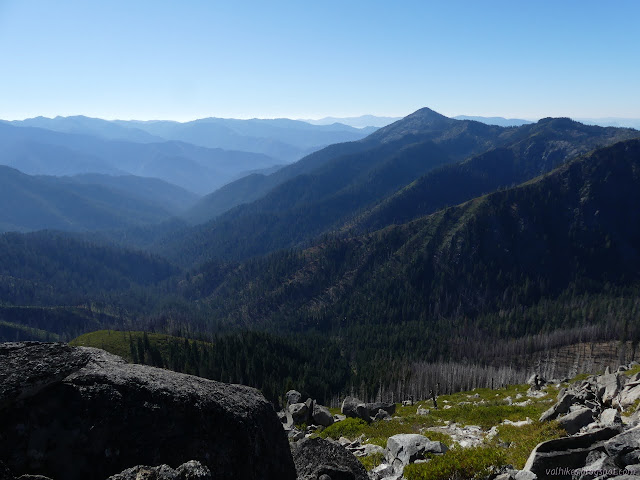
<point x="183" y="60"/>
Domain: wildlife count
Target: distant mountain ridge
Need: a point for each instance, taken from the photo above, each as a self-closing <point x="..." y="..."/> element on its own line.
<point x="201" y="170"/>
<point x="500" y="121"/>
<point x="283" y="139"/>
<point x="362" y="121"/>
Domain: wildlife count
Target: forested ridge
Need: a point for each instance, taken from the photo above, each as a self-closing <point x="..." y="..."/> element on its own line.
<point x="391" y="255"/>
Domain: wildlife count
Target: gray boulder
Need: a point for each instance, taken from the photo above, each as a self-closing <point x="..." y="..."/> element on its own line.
<point x="373" y="408"/>
<point x="572" y="422"/>
<point x="406" y="448"/>
<point x="315" y="457"/>
<point x="560" y="407"/>
<point x="610" y="417"/>
<point x="354" y="408"/>
<point x="299" y="412"/>
<point x="624" y="443"/>
<point x="565" y="454"/>
<point x="609" y="386"/>
<point x="293" y="396"/>
<point x="628" y="396"/>
<point x="76" y="413"/>
<point x="381" y="415"/>
<point x="188" y="471"/>
<point x="322" y="416"/>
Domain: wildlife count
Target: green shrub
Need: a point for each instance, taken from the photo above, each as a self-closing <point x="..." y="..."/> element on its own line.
<point x="522" y="440"/>
<point x="459" y="463"/>
<point x="350" y="428"/>
<point x="371" y="461"/>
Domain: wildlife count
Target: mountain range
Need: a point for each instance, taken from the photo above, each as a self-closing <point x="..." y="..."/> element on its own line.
<point x="429" y="239"/>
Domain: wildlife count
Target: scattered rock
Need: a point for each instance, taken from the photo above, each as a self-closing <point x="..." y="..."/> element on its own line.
<point x="76" y="413"/>
<point x="373" y="408"/>
<point x="536" y="381"/>
<point x="315" y="457"/>
<point x="381" y="415"/>
<point x="422" y="411"/>
<point x="404" y="449"/>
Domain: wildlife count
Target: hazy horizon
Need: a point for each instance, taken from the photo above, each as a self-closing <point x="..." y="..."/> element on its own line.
<point x="182" y="61"/>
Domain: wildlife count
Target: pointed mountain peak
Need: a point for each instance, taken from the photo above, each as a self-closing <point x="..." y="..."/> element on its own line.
<point x="426" y="113"/>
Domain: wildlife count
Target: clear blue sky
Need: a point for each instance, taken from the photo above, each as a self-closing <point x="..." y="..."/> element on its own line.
<point x="308" y="59"/>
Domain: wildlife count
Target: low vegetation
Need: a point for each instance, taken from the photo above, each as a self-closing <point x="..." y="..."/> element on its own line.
<point x="506" y="444"/>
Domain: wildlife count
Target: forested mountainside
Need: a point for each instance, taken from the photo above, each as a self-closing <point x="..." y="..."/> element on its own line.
<point x="561" y="251"/>
<point x="49" y="269"/>
<point x="388" y="274"/>
<point x="407" y="169"/>
<point x="532" y="150"/>
<point x="91" y="202"/>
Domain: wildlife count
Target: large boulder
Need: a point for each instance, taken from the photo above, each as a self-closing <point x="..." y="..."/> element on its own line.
<point x="624" y="443"/>
<point x="609" y="386"/>
<point x="560" y="407"/>
<point x="354" y="408"/>
<point x="566" y="454"/>
<point x="628" y="396"/>
<point x="299" y="412"/>
<point x="315" y="457"/>
<point x="406" y="448"/>
<point x="572" y="422"/>
<point x="322" y="416"/>
<point x="77" y="413"/>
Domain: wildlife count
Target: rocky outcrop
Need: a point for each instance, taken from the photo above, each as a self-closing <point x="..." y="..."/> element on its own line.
<point x="567" y="453"/>
<point x="76" y="413"/>
<point x="188" y="471"/>
<point x="355" y="408"/>
<point x="319" y="459"/>
<point x="601" y="440"/>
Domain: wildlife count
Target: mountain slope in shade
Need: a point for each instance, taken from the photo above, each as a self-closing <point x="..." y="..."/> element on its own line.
<point x="331" y="186"/>
<point x="170" y="197"/>
<point x="457" y="138"/>
<point x="482" y="265"/>
<point x="350" y="190"/>
<point x="36" y="203"/>
<point x="532" y="150"/>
